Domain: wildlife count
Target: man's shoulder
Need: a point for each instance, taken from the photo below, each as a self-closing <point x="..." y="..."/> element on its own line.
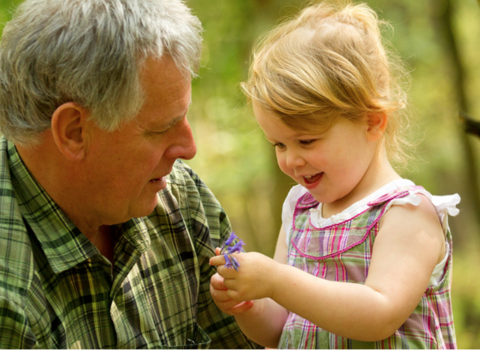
<point x="16" y="255"/>
<point x="17" y="263"/>
<point x="187" y="195"/>
<point x="189" y="183"/>
<point x="183" y="175"/>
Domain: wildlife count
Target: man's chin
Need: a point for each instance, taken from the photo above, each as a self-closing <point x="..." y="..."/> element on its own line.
<point x="137" y="209"/>
<point x="145" y="208"/>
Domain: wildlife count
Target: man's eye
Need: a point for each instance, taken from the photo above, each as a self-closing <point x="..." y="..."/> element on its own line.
<point x="157" y="133"/>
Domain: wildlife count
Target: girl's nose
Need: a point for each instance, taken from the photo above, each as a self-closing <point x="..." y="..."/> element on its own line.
<point x="294" y="160"/>
<point x="183" y="145"/>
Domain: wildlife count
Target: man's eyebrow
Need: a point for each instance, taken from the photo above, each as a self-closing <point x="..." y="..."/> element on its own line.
<point x="176" y="119"/>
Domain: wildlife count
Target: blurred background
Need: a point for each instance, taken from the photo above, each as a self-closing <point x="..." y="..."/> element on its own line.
<point x="440" y="42"/>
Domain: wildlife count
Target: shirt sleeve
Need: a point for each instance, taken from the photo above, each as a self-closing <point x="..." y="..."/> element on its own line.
<point x="211" y="226"/>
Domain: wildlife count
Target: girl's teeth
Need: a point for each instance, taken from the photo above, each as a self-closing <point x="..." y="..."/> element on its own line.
<point x="312" y="178"/>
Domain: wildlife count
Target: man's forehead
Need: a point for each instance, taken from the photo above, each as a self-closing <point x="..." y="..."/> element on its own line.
<point x="167" y="121"/>
<point x="163" y="69"/>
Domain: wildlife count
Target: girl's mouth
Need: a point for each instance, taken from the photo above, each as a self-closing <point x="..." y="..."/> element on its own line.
<point x="310" y="179"/>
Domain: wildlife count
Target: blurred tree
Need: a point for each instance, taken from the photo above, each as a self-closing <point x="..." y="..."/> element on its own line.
<point x="442" y="15"/>
<point x="470" y="125"/>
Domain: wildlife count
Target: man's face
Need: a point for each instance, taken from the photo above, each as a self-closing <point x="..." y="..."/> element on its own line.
<point x="126" y="168"/>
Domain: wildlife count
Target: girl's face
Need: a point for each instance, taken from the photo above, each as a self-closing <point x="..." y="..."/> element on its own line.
<point x="332" y="166"/>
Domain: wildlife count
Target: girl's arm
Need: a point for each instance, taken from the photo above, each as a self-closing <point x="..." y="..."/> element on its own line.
<point x="260" y="320"/>
<point x="406" y="250"/>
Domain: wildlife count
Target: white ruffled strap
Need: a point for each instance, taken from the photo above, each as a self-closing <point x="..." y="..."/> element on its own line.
<point x="444" y="205"/>
<point x="447" y="203"/>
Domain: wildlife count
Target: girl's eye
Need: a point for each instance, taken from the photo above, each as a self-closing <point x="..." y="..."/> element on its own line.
<point x="306" y="142"/>
<point x="278" y="145"/>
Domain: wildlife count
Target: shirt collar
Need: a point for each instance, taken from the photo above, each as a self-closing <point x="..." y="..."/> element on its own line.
<point x="62" y="242"/>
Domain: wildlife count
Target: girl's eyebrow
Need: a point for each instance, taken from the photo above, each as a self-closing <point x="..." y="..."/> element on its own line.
<point x="268" y="139"/>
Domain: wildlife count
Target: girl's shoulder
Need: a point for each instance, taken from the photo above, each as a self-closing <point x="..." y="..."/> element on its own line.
<point x="405" y="192"/>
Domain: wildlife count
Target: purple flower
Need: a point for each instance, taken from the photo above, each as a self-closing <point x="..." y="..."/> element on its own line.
<point x="227" y="251"/>
<point x="228" y="262"/>
<point x="230" y="239"/>
<point x="237" y="248"/>
<point x="235" y="263"/>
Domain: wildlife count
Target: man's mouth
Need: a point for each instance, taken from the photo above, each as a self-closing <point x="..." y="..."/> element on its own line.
<point x="157" y="179"/>
<point x="310" y="179"/>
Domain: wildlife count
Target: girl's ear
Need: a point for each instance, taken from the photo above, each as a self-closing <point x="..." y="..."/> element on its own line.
<point x="68" y="130"/>
<point x="376" y="125"/>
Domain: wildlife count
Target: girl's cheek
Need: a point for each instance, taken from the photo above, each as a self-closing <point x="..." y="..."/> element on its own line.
<point x="286" y="170"/>
<point x="281" y="163"/>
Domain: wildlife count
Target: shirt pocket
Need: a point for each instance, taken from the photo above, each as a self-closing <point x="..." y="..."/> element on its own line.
<point x="198" y="339"/>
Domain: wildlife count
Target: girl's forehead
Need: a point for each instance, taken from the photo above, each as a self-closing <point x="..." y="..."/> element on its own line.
<point x="275" y="129"/>
<point x="267" y="119"/>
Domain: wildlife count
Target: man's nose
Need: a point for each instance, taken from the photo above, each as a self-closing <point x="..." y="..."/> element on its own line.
<point x="183" y="145"/>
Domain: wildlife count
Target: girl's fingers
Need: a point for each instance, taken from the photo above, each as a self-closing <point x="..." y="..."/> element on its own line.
<point x="217" y="260"/>
<point x="241" y="308"/>
<point x="217" y="251"/>
<point x="226" y="272"/>
<point x="229" y="283"/>
<point x="216" y="281"/>
<point x="222" y="297"/>
<point x="228" y="305"/>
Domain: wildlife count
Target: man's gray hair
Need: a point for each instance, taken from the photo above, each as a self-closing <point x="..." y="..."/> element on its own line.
<point x="89" y="52"/>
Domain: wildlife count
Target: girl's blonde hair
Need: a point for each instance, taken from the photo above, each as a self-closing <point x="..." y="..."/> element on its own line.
<point x="329" y="62"/>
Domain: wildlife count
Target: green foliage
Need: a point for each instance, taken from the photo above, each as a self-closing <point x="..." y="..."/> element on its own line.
<point x="6" y="10"/>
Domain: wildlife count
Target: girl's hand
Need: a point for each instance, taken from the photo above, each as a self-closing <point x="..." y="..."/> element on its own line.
<point x="223" y="301"/>
<point x="254" y="279"/>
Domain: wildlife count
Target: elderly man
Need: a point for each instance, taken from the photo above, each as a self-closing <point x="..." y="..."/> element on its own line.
<point x="105" y="235"/>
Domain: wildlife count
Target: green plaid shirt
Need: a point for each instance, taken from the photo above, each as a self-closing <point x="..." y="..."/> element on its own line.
<point x="57" y="291"/>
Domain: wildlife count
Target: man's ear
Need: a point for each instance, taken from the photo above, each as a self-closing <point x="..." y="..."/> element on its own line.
<point x="68" y="130"/>
<point x="376" y="125"/>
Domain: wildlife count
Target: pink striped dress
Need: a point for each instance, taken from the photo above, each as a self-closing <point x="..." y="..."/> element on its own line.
<point x="341" y="251"/>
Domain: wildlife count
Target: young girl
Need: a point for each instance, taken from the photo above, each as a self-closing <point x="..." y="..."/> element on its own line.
<point x="364" y="257"/>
